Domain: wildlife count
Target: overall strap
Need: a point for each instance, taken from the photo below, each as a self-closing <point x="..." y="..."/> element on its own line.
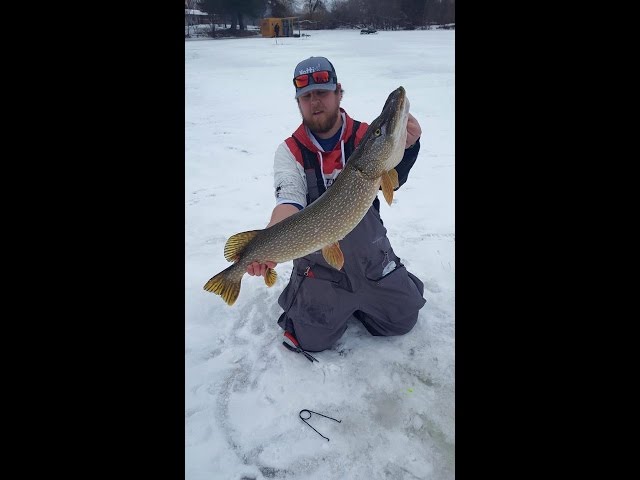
<point x="349" y="145"/>
<point x="315" y="182"/>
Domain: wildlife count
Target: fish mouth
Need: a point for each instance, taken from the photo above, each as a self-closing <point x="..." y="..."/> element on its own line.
<point x="396" y="110"/>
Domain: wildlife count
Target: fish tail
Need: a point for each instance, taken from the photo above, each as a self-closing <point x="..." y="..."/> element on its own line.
<point x="226" y="284"/>
<point x="271" y="277"/>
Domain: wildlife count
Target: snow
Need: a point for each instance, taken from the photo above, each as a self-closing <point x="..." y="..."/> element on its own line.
<point x="244" y="390"/>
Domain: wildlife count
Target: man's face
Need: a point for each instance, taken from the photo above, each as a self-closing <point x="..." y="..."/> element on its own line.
<point x="320" y="109"/>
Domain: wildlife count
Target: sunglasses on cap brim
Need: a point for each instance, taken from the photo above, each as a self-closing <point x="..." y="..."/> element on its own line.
<point x="323" y="76"/>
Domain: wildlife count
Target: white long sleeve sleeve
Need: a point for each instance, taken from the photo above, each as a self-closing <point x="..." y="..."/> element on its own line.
<point x="289" y="179"/>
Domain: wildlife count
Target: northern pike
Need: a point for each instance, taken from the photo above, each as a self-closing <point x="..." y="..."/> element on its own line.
<point x="331" y="217"/>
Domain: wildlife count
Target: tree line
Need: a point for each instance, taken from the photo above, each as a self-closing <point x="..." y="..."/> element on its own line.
<point x="328" y="14"/>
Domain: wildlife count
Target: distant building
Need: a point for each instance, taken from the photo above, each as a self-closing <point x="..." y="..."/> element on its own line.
<point x="195" y="17"/>
<point x="286" y="24"/>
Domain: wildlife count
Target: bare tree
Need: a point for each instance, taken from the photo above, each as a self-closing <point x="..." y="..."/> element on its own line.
<point x="380" y="14"/>
<point x="439" y="11"/>
<point x="311" y="6"/>
<point x="236" y="9"/>
<point x="280" y="8"/>
<point x="413" y="11"/>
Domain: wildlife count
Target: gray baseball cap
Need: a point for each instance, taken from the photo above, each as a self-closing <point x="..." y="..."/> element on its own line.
<point x="315" y="64"/>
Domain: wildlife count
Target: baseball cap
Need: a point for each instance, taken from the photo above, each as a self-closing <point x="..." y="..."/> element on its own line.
<point x="315" y="64"/>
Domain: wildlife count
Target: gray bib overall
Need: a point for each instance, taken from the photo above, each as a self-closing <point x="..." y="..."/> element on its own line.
<point x="319" y="300"/>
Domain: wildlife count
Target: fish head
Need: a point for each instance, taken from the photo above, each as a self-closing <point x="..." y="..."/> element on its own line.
<point x="382" y="146"/>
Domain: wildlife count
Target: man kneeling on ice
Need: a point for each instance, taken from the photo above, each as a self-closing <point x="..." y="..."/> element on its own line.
<point x="373" y="286"/>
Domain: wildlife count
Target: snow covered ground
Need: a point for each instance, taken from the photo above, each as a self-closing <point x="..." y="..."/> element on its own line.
<point x="394" y="396"/>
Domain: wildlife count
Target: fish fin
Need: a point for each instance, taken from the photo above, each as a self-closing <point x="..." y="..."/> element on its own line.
<point x="333" y="255"/>
<point x="393" y="173"/>
<point x="237" y="243"/>
<point x="389" y="182"/>
<point x="225" y="284"/>
<point x="271" y="277"/>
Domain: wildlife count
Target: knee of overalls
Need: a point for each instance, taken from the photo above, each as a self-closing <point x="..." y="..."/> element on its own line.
<point x="318" y="302"/>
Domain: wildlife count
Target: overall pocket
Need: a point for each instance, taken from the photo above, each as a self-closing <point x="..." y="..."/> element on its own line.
<point x="381" y="260"/>
<point x="394" y="295"/>
<point x="322" y="296"/>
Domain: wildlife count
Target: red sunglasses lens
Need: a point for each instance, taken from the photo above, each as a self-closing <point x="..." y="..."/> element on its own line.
<point x="301" y="81"/>
<point x="321" y="77"/>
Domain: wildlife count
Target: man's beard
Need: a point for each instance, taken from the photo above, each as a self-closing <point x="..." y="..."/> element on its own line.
<point x="321" y="124"/>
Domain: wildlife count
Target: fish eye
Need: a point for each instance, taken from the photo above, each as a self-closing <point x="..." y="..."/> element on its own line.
<point x="377" y="132"/>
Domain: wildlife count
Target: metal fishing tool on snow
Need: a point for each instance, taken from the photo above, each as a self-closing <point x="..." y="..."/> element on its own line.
<point x="292" y="344"/>
<point x="304" y="419"/>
